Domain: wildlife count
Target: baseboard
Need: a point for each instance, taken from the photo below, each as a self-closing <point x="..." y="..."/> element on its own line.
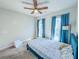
<point x="6" y="46"/>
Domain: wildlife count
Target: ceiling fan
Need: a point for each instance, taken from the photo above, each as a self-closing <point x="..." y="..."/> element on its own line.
<point x="35" y="6"/>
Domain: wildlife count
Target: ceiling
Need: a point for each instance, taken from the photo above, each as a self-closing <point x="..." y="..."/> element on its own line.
<point x="53" y="5"/>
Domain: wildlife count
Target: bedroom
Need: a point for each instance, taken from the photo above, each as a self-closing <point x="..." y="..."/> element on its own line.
<point x="18" y="25"/>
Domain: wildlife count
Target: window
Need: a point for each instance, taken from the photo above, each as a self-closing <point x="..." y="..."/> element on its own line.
<point x="40" y="28"/>
<point x="57" y="28"/>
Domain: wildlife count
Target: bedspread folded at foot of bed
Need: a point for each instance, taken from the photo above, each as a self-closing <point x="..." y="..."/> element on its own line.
<point x="66" y="52"/>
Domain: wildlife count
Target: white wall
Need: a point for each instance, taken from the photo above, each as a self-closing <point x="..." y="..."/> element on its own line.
<point x="14" y="26"/>
<point x="73" y="19"/>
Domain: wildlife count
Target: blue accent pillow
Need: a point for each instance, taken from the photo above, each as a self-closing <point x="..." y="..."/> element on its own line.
<point x="74" y="44"/>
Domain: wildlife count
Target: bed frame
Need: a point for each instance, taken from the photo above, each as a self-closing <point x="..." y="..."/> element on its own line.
<point x="73" y="42"/>
<point x="36" y="54"/>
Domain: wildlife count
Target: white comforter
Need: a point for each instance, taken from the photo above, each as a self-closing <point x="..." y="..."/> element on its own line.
<point x="48" y="49"/>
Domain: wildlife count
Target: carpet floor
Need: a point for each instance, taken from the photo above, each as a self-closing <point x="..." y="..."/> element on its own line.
<point x="15" y="53"/>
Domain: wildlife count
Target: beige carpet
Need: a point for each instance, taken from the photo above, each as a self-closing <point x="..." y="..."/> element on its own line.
<point x="14" y="53"/>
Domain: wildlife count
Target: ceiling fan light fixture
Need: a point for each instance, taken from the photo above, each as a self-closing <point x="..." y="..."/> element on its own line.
<point x="36" y="10"/>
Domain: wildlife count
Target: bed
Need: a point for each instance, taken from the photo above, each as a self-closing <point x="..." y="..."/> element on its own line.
<point x="49" y="49"/>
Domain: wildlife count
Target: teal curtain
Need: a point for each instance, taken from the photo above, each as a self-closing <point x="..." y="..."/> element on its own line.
<point x="53" y="26"/>
<point x="37" y="28"/>
<point x="64" y="33"/>
<point x="43" y="27"/>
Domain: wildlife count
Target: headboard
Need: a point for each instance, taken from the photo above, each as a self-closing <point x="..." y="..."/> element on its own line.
<point x="74" y="44"/>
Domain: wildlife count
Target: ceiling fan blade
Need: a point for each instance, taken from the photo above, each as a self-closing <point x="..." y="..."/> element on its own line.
<point x="42" y="8"/>
<point x="40" y="12"/>
<point x="28" y="8"/>
<point x="35" y="3"/>
<point x="27" y="3"/>
<point x="32" y="12"/>
<point x="41" y="3"/>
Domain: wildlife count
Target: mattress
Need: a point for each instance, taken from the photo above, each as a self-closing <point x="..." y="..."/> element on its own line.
<point x="48" y="49"/>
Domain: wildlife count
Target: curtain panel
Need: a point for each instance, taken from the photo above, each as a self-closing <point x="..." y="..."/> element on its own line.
<point x="43" y="27"/>
<point x="64" y="33"/>
<point x="53" y="26"/>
